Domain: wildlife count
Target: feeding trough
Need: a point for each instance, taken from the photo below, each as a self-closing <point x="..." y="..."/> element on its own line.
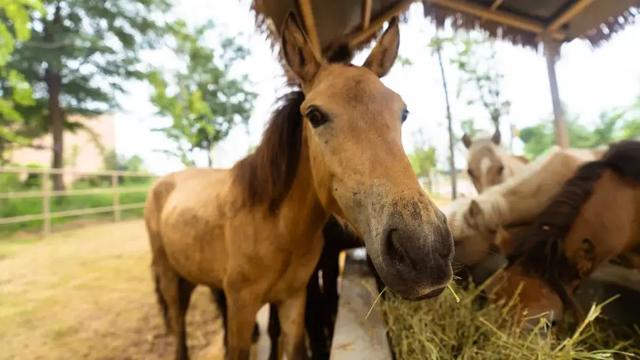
<point x="359" y="336"/>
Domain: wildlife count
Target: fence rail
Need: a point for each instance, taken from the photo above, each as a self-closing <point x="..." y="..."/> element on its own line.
<point x="46" y="193"/>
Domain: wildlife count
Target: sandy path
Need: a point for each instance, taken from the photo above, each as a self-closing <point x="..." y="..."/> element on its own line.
<point x="87" y="293"/>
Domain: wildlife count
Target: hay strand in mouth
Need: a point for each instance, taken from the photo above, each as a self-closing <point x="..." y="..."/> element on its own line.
<point x="375" y="302"/>
<point x="455" y="296"/>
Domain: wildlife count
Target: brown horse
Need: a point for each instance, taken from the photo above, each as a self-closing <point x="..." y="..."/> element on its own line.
<point x="594" y="218"/>
<point x="253" y="232"/>
<point x="488" y="164"/>
<point x="474" y="221"/>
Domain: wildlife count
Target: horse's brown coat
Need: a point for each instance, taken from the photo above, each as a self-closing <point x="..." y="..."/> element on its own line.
<point x="254" y="231"/>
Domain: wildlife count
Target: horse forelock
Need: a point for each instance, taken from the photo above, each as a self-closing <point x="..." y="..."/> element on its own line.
<point x="266" y="175"/>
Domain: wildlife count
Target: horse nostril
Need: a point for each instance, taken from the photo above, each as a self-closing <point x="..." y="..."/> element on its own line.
<point x="394" y="248"/>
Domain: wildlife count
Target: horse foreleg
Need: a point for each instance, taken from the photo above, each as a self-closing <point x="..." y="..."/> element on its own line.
<point x="291" y="313"/>
<point x="242" y="309"/>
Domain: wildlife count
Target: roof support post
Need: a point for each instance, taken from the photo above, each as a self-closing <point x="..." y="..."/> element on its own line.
<point x="552" y="53"/>
<point x="366" y="13"/>
<point x="309" y="21"/>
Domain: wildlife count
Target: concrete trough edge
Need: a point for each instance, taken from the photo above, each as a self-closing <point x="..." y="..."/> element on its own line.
<point x="354" y="336"/>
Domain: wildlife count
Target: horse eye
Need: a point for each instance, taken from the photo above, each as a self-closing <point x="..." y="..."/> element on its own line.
<point x="405" y="114"/>
<point x="316" y="117"/>
<point x="500" y="169"/>
<point x="470" y="172"/>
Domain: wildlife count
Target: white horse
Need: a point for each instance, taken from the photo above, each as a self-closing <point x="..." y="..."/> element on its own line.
<point x="474" y="221"/>
<point x="488" y="164"/>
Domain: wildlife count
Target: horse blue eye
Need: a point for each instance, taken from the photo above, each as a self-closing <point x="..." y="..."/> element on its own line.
<point x="405" y="114"/>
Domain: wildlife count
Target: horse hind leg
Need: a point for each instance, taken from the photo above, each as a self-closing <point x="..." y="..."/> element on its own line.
<point x="177" y="294"/>
<point x="162" y="302"/>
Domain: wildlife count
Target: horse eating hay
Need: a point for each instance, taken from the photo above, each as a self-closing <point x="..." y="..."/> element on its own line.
<point x="474" y="221"/>
<point x="253" y="232"/>
<point x="594" y="218"/>
<point x="488" y="164"/>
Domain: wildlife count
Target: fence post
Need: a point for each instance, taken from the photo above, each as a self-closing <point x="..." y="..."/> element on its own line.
<point x="46" y="205"/>
<point x="116" y="197"/>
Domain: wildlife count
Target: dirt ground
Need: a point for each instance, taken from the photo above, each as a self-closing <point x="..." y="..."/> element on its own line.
<point x="87" y="294"/>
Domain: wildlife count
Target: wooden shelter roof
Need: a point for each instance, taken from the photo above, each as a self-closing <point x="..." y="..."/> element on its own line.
<point x="333" y="23"/>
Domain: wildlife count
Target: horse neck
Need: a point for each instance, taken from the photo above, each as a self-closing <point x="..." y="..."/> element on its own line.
<point x="527" y="193"/>
<point x="301" y="214"/>
<point x="512" y="164"/>
<point x="494" y="209"/>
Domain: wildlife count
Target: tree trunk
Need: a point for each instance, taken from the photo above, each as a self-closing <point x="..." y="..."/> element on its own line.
<point x="56" y="119"/>
<point x="452" y="159"/>
<point x="210" y="158"/>
<point x="552" y="52"/>
<point x="56" y="116"/>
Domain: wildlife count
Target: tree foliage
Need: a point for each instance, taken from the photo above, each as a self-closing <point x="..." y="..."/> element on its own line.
<point x="423" y="161"/>
<point x="423" y="158"/>
<point x="78" y="56"/>
<point x="202" y="98"/>
<point x="115" y="161"/>
<point x="15" y="90"/>
<point x="481" y="79"/>
<point x="615" y="125"/>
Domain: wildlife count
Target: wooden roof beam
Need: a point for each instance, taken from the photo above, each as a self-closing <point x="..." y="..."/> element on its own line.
<point x="495" y="4"/>
<point x="356" y="38"/>
<point x="569" y="14"/>
<point x="309" y="21"/>
<point x="367" y="5"/>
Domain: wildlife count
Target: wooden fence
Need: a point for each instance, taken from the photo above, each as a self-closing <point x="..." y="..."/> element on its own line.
<point x="46" y="193"/>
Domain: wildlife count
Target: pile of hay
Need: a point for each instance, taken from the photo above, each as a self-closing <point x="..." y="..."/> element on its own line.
<point x="444" y="328"/>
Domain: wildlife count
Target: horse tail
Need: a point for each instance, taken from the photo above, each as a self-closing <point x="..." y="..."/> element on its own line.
<point x="152" y="212"/>
<point x="162" y="302"/>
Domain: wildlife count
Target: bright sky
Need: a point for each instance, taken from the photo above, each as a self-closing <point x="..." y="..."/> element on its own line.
<point x="590" y="81"/>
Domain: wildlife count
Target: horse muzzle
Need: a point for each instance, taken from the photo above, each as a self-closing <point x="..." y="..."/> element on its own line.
<point x="414" y="260"/>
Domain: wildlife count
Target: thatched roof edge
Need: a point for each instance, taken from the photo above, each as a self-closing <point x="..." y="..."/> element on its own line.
<point x="463" y="21"/>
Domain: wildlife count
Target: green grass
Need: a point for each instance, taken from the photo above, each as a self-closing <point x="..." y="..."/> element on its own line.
<point x="28" y="206"/>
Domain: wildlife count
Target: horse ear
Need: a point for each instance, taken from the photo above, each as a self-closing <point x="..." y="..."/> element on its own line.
<point x="466" y="140"/>
<point x="384" y="54"/>
<point x="297" y="51"/>
<point x="496" y="137"/>
<point x="474" y="209"/>
<point x="474" y="215"/>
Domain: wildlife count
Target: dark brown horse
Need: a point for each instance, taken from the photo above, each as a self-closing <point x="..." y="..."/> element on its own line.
<point x="594" y="218"/>
<point x="322" y="293"/>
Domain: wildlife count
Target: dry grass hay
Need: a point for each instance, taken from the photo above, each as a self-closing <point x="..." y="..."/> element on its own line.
<point x="444" y="328"/>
